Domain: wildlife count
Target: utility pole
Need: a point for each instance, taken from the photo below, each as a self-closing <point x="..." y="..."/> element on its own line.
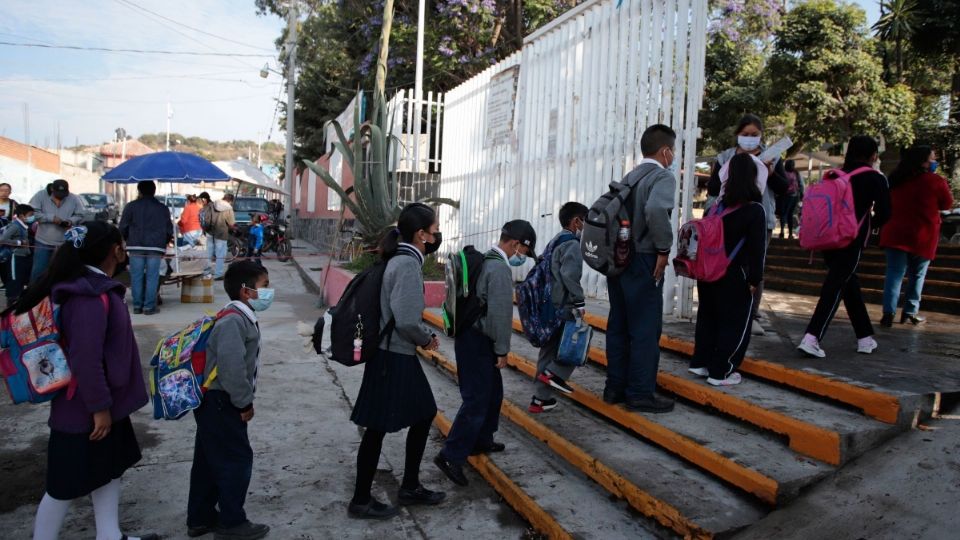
<point x="418" y="84"/>
<point x="169" y="116"/>
<point x="288" y="172"/>
<point x="259" y="143"/>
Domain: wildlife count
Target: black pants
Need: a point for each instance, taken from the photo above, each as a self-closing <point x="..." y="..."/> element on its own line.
<point x="841" y="284"/>
<point x="369" y="455"/>
<point x="723" y="324"/>
<point x="788" y="205"/>
<point x="16" y="275"/>
<point x="222" y="464"/>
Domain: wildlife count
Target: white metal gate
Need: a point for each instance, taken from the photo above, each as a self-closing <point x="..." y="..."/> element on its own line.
<point x="562" y="118"/>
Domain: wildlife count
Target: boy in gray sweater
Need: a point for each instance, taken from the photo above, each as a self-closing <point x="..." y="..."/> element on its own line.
<point x="482" y="351"/>
<point x="566" y="268"/>
<point x="222" y="456"/>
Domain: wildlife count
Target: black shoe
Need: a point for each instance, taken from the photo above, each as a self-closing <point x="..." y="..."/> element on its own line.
<point x="200" y="530"/>
<point x="245" y="531"/>
<point x="652" y="404"/>
<point x="421" y="495"/>
<point x="614" y="396"/>
<point x="150" y="536"/>
<point x="454" y="472"/>
<point x="153" y="311"/>
<point x="372" y="510"/>
<point x="912" y="319"/>
<point x="887" y="320"/>
<point x="137" y="311"/>
<point x="488" y="449"/>
<point x="554" y="380"/>
<point x="538" y="406"/>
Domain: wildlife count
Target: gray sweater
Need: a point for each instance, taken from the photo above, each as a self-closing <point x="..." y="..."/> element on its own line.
<point x="566" y="265"/>
<point x="401" y="299"/>
<point x="234" y="349"/>
<point x="495" y="290"/>
<point x="70" y="209"/>
<point x="15" y="235"/>
<point x="651" y="206"/>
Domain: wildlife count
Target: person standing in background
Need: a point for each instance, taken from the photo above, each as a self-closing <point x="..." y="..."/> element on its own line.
<point x="57" y="210"/>
<point x="787" y="203"/>
<point x="189" y="223"/>
<point x="147" y="229"/>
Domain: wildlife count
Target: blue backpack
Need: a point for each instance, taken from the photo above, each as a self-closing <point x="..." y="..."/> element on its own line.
<point x="537" y="313"/>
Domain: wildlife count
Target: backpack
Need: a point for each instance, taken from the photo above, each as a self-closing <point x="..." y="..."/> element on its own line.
<point x="599" y="236"/>
<point x="701" y="252"/>
<point x="206" y="218"/>
<point x="829" y="217"/>
<point x="355" y="332"/>
<point x="538" y="315"/>
<point x="6" y="251"/>
<point x="462" y="308"/>
<point x="177" y="381"/>
<point x="33" y="363"/>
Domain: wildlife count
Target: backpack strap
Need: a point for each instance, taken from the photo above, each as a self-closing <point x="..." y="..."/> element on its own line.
<point x="220" y="314"/>
<point x="72" y="385"/>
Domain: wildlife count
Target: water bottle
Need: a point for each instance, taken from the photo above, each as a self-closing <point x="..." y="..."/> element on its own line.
<point x="621" y="250"/>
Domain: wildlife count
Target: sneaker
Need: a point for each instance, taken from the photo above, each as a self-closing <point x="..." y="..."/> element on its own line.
<point x="542" y="405"/>
<point x="372" y="510"/>
<point x="756" y="329"/>
<point x="732" y="379"/>
<point x="700" y="371"/>
<point x="554" y="380"/>
<point x="867" y="345"/>
<point x="811" y="347"/>
<point x="245" y="531"/>
<point x="153" y="311"/>
<point x="421" y="495"/>
<point x="138" y="311"/>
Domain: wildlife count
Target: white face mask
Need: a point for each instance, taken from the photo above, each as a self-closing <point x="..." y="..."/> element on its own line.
<point x="748" y="143"/>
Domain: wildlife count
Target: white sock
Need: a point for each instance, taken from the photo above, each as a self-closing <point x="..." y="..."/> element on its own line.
<point x="50" y="516"/>
<point x="106" y="511"/>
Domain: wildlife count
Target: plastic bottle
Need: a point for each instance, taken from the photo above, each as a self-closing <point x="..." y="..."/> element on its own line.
<point x="621" y="250"/>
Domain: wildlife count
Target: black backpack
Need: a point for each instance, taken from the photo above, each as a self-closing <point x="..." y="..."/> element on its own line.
<point x="462" y="307"/>
<point x="357" y="317"/>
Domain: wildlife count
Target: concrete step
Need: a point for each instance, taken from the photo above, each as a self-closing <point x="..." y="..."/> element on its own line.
<point x="938" y="304"/>
<point x="932" y="287"/>
<point x="865" y="268"/>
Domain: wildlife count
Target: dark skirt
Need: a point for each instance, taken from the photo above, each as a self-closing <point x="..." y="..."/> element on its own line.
<point x="394" y="395"/>
<point x="77" y="466"/>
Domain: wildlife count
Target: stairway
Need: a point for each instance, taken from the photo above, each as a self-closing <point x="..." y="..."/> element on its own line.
<point x="790" y="268"/>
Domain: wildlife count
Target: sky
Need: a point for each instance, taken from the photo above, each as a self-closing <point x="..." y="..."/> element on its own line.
<point x="91" y="93"/>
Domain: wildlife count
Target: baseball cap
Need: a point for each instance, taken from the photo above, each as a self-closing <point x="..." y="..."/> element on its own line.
<point x="60" y="186"/>
<point x="523" y="231"/>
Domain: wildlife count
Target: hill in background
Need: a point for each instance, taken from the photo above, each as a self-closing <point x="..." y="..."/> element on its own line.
<point x="270" y="153"/>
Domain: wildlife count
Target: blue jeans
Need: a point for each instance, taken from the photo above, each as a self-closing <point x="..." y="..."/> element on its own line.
<point x="145" y="280"/>
<point x="217" y="249"/>
<point x="189" y="239"/>
<point x="222" y="464"/>
<point x="41" y="259"/>
<point x="900" y="263"/>
<point x="634" y="328"/>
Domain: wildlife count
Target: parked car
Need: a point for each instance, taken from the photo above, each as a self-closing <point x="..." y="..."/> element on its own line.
<point x="245" y="207"/>
<point x="175" y="203"/>
<point x="103" y="206"/>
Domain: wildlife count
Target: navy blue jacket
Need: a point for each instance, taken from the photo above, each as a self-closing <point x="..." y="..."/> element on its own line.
<point x="146" y="225"/>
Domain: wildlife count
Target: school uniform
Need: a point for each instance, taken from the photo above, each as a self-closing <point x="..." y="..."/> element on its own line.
<point x="477" y="349"/>
<point x="16" y="272"/>
<point x="724" y="315"/>
<point x="222" y="456"/>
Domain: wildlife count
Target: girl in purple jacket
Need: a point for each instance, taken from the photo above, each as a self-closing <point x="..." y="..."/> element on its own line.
<point x="92" y="442"/>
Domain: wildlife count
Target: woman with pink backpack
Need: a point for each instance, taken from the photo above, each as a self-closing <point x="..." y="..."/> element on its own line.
<point x="823" y="227"/>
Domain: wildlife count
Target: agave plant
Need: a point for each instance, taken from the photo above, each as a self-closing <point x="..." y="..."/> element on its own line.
<point x="374" y="197"/>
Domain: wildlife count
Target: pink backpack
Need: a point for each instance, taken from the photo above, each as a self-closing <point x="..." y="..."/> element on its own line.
<point x="829" y="218"/>
<point x="701" y="253"/>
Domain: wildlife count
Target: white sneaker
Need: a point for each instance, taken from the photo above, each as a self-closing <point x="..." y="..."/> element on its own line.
<point x="867" y="345"/>
<point x="732" y="379"/>
<point x="756" y="329"/>
<point x="700" y="371"/>
<point x="811" y="347"/>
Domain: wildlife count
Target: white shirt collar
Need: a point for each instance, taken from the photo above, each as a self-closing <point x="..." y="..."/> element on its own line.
<point x="245" y="309"/>
<point x="502" y="253"/>
<point x="650" y="160"/>
<point x="415" y="250"/>
<point x="96" y="270"/>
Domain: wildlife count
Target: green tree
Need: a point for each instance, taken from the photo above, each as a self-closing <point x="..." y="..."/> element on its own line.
<point x="825" y="69"/>
<point x="897" y="24"/>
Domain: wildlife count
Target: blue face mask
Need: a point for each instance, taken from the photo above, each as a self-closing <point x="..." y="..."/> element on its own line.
<point x="30" y="220"/>
<point x="263" y="300"/>
<point x="517" y="260"/>
<point x="933" y="166"/>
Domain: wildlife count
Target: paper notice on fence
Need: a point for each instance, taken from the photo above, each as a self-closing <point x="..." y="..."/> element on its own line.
<point x="775" y="150"/>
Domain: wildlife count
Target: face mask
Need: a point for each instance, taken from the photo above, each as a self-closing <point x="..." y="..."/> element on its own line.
<point x="748" y="143"/>
<point x="30" y="220"/>
<point x="933" y="166"/>
<point x="263" y="300"/>
<point x="517" y="260"/>
<point x="435" y="245"/>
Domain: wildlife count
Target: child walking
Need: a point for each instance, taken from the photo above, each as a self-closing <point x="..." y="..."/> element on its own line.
<point x="222" y="456"/>
<point x="92" y="442"/>
<point x="395" y="393"/>
<point x="724" y="316"/>
<point x="255" y="238"/>
<point x="566" y="267"/>
<point x="482" y="351"/>
<point x="17" y="237"/>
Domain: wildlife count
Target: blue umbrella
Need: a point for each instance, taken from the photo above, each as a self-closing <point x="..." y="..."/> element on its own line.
<point x="177" y="167"/>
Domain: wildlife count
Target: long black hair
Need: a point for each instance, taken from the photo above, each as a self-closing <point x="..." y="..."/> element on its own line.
<point x="70" y="262"/>
<point x="860" y="151"/>
<point x="741" y="184"/>
<point x="413" y="217"/>
<point x="911" y="164"/>
<point x="748" y="120"/>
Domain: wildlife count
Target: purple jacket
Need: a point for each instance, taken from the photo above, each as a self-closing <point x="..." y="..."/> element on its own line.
<point x="106" y="364"/>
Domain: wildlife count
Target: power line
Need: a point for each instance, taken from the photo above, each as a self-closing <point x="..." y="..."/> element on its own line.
<point x="203" y="76"/>
<point x="137" y="51"/>
<point x="204" y="32"/>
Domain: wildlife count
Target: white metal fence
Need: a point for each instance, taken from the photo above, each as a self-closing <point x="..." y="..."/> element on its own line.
<point x="416" y="126"/>
<point x="562" y="118"/>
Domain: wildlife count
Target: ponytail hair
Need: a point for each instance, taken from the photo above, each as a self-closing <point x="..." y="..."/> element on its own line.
<point x="89" y="244"/>
<point x="413" y="217"/>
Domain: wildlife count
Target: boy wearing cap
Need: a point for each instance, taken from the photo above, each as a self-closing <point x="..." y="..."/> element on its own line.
<point x="482" y="351"/>
<point x="57" y="210"/>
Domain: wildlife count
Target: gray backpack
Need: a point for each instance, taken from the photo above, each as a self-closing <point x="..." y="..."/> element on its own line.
<point x="599" y="237"/>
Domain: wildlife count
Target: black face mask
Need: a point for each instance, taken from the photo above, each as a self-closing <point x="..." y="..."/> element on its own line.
<point x="435" y="245"/>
